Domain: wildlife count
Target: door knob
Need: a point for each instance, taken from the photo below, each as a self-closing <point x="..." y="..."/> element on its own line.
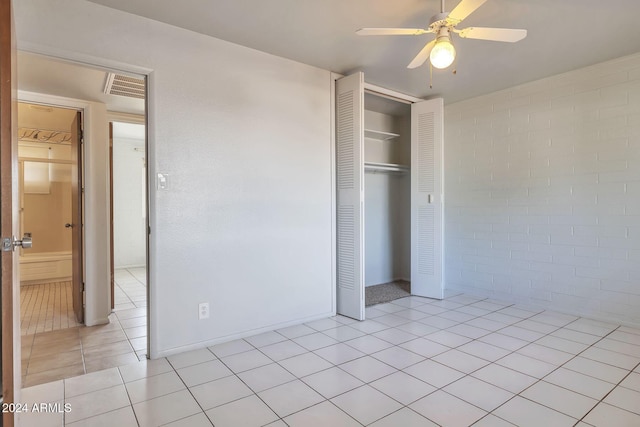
<point x="67" y="225"/>
<point x="25" y="243"/>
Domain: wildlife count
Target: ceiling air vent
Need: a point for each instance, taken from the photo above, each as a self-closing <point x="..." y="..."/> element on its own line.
<point x="118" y="84"/>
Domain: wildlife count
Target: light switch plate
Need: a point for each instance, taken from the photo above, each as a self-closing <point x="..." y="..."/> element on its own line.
<point x="162" y="181"/>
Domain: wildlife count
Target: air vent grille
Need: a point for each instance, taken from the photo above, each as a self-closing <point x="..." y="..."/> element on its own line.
<point x="120" y="85"/>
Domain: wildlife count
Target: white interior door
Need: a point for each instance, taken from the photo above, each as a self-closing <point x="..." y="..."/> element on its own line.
<point x="350" y="195"/>
<point x="427" y="124"/>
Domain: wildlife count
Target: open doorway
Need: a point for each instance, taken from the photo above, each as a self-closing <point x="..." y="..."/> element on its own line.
<point x="101" y="338"/>
<point x="51" y="283"/>
<point x="128" y="188"/>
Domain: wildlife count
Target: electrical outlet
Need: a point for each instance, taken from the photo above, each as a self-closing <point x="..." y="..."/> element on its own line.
<point x="203" y="310"/>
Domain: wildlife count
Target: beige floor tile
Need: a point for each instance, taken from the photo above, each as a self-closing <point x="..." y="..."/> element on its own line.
<point x="41" y="419"/>
<point x="155" y="386"/>
<point x="105" y="350"/>
<point x="103" y="338"/>
<point x="49" y="392"/>
<point x="123" y="417"/>
<point x="190" y="358"/>
<point x="56" y="336"/>
<point x="144" y="369"/>
<point x="165" y="409"/>
<point x="139" y="344"/>
<point x="53" y="375"/>
<point x="97" y="364"/>
<point x="249" y="411"/>
<point x="136" y="332"/>
<point x="113" y="325"/>
<point x="198" y="420"/>
<point x="130" y="313"/>
<point x="133" y="322"/>
<point x="91" y="382"/>
<point x="59" y="360"/>
<point x="96" y="403"/>
<point x="64" y="345"/>
<point x="229" y="399"/>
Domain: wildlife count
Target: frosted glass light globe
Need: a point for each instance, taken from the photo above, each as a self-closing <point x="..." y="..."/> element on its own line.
<point x="442" y="54"/>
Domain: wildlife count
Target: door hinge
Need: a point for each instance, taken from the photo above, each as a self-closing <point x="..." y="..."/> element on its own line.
<point x="81" y="136"/>
<point x="84" y="298"/>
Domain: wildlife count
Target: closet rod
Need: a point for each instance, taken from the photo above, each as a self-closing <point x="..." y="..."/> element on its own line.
<point x="390" y="94"/>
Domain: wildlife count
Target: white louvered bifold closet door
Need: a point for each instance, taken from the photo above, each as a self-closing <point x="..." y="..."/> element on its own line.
<point x="426" y="198"/>
<point x="350" y="195"/>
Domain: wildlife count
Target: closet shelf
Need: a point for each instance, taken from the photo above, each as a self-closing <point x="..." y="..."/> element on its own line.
<point x="385" y="167"/>
<point x="376" y="134"/>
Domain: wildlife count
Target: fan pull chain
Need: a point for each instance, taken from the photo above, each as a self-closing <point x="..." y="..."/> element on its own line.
<point x="430" y="75"/>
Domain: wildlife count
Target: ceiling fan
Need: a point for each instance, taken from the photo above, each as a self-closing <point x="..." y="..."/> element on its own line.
<point x="440" y="51"/>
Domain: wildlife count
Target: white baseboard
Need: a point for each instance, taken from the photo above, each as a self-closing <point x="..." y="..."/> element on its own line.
<point x="209" y="343"/>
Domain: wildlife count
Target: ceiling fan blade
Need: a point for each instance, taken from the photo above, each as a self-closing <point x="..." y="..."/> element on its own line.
<point x="463" y="9"/>
<point x="495" y="34"/>
<point x="391" y="31"/>
<point x="422" y="56"/>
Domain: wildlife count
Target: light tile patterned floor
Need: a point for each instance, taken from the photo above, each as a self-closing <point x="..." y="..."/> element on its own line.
<point x="130" y="288"/>
<point x="414" y="362"/>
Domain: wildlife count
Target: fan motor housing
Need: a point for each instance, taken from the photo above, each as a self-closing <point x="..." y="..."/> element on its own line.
<point x="438" y="21"/>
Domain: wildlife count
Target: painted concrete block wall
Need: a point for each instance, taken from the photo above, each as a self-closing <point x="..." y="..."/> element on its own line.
<point x="129" y="199"/>
<point x="542" y="185"/>
<point x="245" y="139"/>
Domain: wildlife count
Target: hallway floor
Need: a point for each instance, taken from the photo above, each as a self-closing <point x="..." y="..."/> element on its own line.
<point x="130" y="288"/>
<point x="54" y="353"/>
<point x="66" y="353"/>
<point x="414" y="362"/>
<point x="46" y="307"/>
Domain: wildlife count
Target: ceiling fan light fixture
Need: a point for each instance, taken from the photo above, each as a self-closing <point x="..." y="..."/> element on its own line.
<point x="443" y="53"/>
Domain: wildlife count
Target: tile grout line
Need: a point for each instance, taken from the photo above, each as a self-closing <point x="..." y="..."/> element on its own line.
<point x="618" y="384"/>
<point x="388" y="327"/>
<point x="515" y="351"/>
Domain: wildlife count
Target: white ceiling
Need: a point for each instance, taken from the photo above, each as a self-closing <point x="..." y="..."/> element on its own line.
<point x="562" y="35"/>
<point x="44" y="117"/>
<point x="41" y="74"/>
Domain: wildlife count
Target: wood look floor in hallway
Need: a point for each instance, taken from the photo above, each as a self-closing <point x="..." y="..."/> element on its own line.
<point x="55" y="346"/>
<point x="46" y="307"/>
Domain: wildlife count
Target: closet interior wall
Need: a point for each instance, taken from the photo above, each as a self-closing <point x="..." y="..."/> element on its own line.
<point x="387" y="183"/>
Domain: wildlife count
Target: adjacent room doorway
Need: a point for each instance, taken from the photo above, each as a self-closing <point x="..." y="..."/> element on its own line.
<point x="118" y="335"/>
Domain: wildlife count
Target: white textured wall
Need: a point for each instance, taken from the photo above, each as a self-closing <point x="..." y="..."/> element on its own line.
<point x="542" y="185"/>
<point x="387" y="240"/>
<point x="129" y="222"/>
<point x="387" y="215"/>
<point x="245" y="138"/>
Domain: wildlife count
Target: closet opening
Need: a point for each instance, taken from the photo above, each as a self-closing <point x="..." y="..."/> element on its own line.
<point x="387" y="198"/>
<point x="388" y="194"/>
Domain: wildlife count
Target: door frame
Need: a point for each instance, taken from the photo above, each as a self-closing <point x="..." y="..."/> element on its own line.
<point x="118" y="117"/>
<point x="84" y="108"/>
<point x="77" y="218"/>
<point x="10" y="378"/>
<point x="374" y="90"/>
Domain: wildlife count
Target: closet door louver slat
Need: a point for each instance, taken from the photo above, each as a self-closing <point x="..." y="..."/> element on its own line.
<point x="426" y="198"/>
<point x="350" y="195"/>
